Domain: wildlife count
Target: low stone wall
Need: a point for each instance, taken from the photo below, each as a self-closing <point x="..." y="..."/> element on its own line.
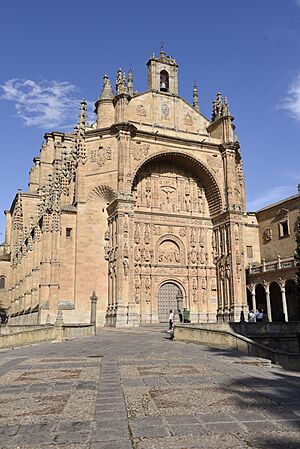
<point x="26" y="319"/>
<point x="77" y="330"/>
<point x="221" y="336"/>
<point x="37" y="334"/>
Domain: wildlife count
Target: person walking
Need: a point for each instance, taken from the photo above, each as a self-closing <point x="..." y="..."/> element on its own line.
<point x="171" y="320"/>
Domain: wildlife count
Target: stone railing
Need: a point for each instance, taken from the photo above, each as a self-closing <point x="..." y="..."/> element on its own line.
<point x="273" y="265"/>
<point x="223" y="336"/>
<point x="16" y="336"/>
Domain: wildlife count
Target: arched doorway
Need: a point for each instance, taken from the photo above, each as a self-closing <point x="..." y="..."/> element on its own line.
<point x="260" y="293"/>
<point x="169" y="297"/>
<point x="249" y="299"/>
<point x="276" y="300"/>
<point x="291" y="299"/>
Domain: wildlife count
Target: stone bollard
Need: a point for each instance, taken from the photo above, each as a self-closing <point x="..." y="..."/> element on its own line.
<point x="94" y="299"/>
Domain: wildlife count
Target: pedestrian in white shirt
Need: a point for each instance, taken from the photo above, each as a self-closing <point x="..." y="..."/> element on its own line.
<point x="171" y="320"/>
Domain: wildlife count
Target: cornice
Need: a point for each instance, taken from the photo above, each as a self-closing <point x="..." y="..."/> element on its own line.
<point x="167" y="138"/>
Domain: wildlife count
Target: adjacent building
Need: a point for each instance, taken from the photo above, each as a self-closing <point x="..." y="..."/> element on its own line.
<point x="271" y="276"/>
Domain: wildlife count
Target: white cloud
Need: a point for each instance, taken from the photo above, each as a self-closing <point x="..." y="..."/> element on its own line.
<point x="45" y="104"/>
<point x="291" y="102"/>
<point x="271" y="196"/>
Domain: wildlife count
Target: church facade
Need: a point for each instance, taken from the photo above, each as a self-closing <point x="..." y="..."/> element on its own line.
<point x="146" y="207"/>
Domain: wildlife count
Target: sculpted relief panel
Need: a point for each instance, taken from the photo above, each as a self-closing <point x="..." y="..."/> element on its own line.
<point x="170" y="189"/>
<point x="168" y="252"/>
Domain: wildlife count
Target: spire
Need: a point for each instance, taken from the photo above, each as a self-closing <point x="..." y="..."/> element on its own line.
<point x="80" y="134"/>
<point x="195" y="98"/>
<point x="130" y="82"/>
<point x="107" y="92"/>
<point x="82" y="115"/>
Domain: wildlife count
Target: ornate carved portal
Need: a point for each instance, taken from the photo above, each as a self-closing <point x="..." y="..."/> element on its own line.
<point x="172" y="234"/>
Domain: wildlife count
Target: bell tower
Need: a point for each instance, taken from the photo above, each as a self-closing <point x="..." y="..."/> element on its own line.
<point x="163" y="74"/>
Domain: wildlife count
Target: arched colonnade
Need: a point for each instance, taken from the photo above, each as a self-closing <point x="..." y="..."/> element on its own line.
<point x="273" y="298"/>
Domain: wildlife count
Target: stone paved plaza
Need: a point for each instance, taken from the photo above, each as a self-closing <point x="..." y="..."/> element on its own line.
<point x="137" y="389"/>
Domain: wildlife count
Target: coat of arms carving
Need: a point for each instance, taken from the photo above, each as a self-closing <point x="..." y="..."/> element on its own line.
<point x="101" y="155"/>
<point x="141" y="111"/>
<point x="267" y="235"/>
<point x="165" y="110"/>
<point x="188" y="120"/>
<point x="215" y="163"/>
<point x="138" y="150"/>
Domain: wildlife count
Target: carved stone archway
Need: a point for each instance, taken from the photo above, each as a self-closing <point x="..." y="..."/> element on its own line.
<point x="199" y="170"/>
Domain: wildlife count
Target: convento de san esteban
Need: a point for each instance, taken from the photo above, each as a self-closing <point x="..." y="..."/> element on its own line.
<point x="146" y="207"/>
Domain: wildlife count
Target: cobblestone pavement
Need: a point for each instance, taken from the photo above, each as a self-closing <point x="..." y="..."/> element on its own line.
<point x="136" y="389"/>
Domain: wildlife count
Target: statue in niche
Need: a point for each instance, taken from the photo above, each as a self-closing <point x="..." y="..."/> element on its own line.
<point x="228" y="270"/>
<point x="137" y="254"/>
<point x="126" y="266"/>
<point x="137" y="286"/>
<point x="201" y="238"/>
<point x="193" y="256"/>
<point x="222" y="272"/>
<point x="148" y="192"/>
<point x="147" y="289"/>
<point x="146" y="235"/>
<point x="193" y="237"/>
<point x="187" y="196"/>
<point x="194" y="289"/>
<point x="106" y="251"/>
<point x="125" y="251"/>
<point x="137" y="233"/>
<point x="202" y="256"/>
<point x="125" y="230"/>
<point x="146" y="255"/>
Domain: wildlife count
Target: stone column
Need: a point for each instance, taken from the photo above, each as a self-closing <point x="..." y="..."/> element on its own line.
<point x="267" y="290"/>
<point x="283" y="299"/>
<point x="253" y="300"/>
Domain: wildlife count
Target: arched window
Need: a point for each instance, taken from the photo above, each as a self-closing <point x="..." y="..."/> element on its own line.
<point x="2" y="282"/>
<point x="164" y="81"/>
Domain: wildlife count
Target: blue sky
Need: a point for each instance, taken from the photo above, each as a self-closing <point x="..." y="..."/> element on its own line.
<point x="54" y="53"/>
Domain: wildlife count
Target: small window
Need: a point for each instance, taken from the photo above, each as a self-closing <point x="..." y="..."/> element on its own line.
<point x="2" y="282"/>
<point x="68" y="233"/>
<point x="249" y="251"/>
<point x="284" y="229"/>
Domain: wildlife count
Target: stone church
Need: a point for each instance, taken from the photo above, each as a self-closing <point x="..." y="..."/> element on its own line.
<point x="146" y="207"/>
